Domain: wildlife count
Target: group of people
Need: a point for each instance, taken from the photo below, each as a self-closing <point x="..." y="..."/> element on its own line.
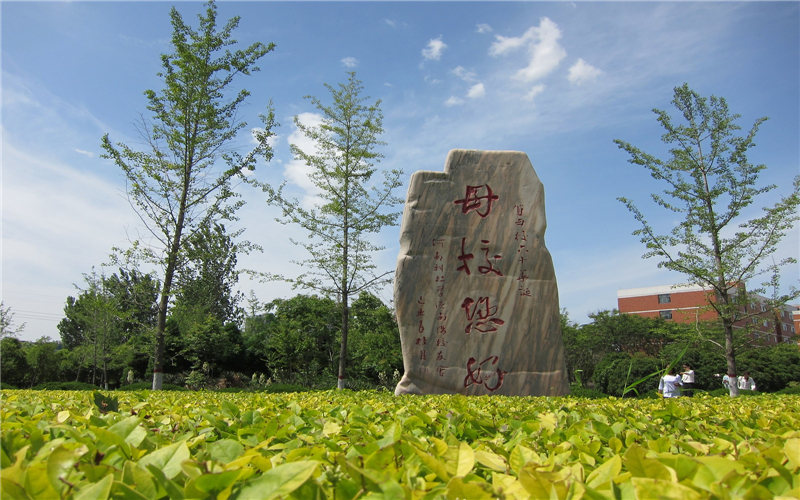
<point x="744" y="383"/>
<point x="673" y="384"/>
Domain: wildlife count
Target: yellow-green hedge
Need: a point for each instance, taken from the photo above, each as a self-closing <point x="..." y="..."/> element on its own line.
<point x="344" y="445"/>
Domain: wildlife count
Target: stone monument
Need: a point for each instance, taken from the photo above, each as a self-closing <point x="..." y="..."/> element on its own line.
<point x="475" y="290"/>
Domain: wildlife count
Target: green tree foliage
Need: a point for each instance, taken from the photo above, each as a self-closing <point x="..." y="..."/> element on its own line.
<point x="620" y="369"/>
<point x="297" y="340"/>
<point x="92" y="325"/>
<point x="772" y="367"/>
<point x="43" y="361"/>
<point x="374" y="338"/>
<point x="108" y="324"/>
<point x="13" y="362"/>
<point x="181" y="182"/>
<point x="213" y="345"/>
<point x="711" y="185"/>
<point x="340" y="263"/>
<point x="7" y="326"/>
<point x="581" y="351"/>
<point x="205" y="285"/>
<point x="611" y="332"/>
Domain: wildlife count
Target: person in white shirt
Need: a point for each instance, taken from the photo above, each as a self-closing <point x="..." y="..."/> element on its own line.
<point x="687" y="380"/>
<point x="669" y="384"/>
<point x="746" y="382"/>
<point x="729" y="381"/>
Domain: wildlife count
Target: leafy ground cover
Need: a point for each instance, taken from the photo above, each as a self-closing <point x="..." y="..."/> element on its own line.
<point x="344" y="445"/>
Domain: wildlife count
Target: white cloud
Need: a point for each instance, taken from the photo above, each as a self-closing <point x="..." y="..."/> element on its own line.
<point x="453" y="101"/>
<point x="467" y="76"/>
<point x="476" y="91"/>
<point x="434" y="49"/>
<point x="581" y="72"/>
<point x="350" y="62"/>
<point x="296" y="171"/>
<point x="535" y="90"/>
<point x="84" y="152"/>
<point x="544" y="51"/>
<point x="484" y="28"/>
<point x="390" y="22"/>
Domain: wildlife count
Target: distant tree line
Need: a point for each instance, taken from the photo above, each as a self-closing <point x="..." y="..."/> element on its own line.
<point x="107" y="336"/>
<point x="615" y="350"/>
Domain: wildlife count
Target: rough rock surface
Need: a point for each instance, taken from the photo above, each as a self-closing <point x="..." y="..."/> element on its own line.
<point x="475" y="289"/>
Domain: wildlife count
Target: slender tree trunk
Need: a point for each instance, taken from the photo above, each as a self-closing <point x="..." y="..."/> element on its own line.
<point x="94" y="358"/>
<point x="345" y="290"/>
<point x="343" y="349"/>
<point x="166" y="289"/>
<point x="728" y="314"/>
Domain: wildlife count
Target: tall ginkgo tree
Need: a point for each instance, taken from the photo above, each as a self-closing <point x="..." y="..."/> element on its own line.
<point x="351" y="209"/>
<point x="181" y="181"/>
<point x="711" y="185"/>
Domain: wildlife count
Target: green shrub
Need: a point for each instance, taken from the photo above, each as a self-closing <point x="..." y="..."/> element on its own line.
<point x="724" y="392"/>
<point x="618" y="369"/>
<point x="583" y="392"/>
<point x="65" y="386"/>
<point x="6" y="387"/>
<point x="233" y="389"/>
<point x="278" y="388"/>
<point x="145" y="386"/>
<point x="789" y="390"/>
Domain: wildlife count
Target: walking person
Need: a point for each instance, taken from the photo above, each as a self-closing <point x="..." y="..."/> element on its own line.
<point x="687" y="380"/>
<point x="746" y="382"/>
<point x="669" y="385"/>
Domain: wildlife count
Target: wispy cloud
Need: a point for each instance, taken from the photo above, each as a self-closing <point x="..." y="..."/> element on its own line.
<point x="350" y="62"/>
<point x="484" y="28"/>
<point x="544" y="51"/>
<point x="434" y="49"/>
<point x="534" y="91"/>
<point x="390" y="23"/>
<point x="476" y="91"/>
<point x="84" y="152"/>
<point x="467" y="76"/>
<point x="581" y="72"/>
<point x="453" y="101"/>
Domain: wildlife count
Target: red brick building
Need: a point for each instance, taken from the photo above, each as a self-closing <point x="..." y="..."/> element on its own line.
<point x="689" y="303"/>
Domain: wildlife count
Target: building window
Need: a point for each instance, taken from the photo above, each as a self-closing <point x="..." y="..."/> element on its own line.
<point x="665" y="314"/>
<point x="766" y="323"/>
<point x="784" y="328"/>
<point x="664" y="298"/>
<point x="763" y="308"/>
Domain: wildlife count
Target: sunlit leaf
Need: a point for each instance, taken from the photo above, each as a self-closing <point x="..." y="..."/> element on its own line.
<point x="279" y="481"/>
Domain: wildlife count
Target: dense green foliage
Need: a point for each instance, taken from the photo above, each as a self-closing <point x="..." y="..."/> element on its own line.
<point x="602" y="352"/>
<point x="143" y="386"/>
<point x="295" y="341"/>
<point x="65" y="386"/>
<point x="346" y="445"/>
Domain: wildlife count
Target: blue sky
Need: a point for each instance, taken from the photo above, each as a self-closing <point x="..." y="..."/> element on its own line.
<point x="558" y="81"/>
